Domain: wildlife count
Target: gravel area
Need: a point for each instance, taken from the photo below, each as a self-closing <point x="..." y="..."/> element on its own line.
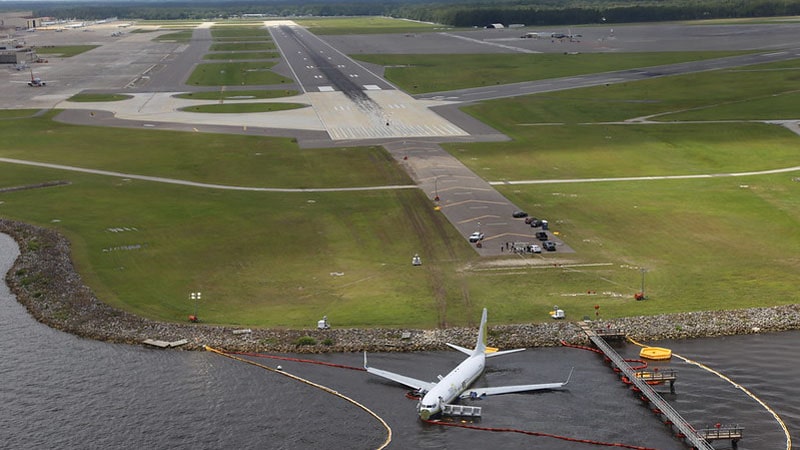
<point x="44" y="280"/>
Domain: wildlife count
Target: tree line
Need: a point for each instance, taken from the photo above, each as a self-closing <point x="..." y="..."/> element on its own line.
<point x="477" y="13"/>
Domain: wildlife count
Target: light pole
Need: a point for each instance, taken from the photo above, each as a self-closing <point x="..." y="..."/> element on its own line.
<point x="196" y="297"/>
<point x="436" y="188"/>
<point x="643" y="270"/>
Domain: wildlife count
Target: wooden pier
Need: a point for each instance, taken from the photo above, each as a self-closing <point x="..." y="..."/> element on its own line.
<point x="658" y="405"/>
<point x="652" y="377"/>
<point x="718" y="433"/>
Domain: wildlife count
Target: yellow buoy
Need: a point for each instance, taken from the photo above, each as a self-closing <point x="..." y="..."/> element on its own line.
<point x="656" y="353"/>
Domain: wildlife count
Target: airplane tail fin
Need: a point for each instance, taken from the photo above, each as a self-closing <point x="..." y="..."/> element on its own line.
<point x="480" y="345"/>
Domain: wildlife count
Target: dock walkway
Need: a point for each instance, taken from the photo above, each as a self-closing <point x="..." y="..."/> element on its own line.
<point x="660" y="406"/>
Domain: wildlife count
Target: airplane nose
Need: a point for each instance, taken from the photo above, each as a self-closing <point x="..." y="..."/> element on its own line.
<point x="424" y="414"/>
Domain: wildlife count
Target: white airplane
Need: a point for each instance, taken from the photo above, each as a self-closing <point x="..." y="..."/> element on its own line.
<point x="36" y="81"/>
<point x="437" y="396"/>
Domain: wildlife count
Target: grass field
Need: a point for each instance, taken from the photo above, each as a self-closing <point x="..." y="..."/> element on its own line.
<point x="285" y="259"/>
<point x="715" y="243"/>
<point x="285" y="245"/>
<point x="64" y="51"/>
<point x="242" y="55"/>
<point x="365" y="25"/>
<point x="239" y="33"/>
<point x="242" y="46"/>
<point x="177" y="36"/>
<point x="235" y="74"/>
<point x="98" y="97"/>
<point x="433" y="73"/>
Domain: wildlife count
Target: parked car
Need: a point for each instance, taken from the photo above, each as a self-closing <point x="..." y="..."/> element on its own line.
<point x="476" y="237"/>
<point x="542" y="235"/>
<point x="529" y="219"/>
<point x="535" y="223"/>
<point x="519" y="214"/>
<point x="535" y="248"/>
<point x="550" y="246"/>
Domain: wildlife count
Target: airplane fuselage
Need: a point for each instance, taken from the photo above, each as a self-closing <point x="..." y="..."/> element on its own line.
<point x="438" y="395"/>
<point x="451" y="386"/>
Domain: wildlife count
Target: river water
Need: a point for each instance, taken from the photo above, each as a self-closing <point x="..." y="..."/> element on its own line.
<point x="58" y="391"/>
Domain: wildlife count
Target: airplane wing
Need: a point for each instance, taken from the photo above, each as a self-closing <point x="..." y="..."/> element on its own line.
<point x="490" y="353"/>
<point x="466" y="351"/>
<point x="423" y="386"/>
<point x="504" y="352"/>
<point x="480" y="392"/>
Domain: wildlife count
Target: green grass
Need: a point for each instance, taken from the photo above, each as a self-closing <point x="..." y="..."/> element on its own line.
<point x="433" y="73"/>
<point x="260" y="259"/>
<point x="242" y="46"/>
<point x="16" y="113"/>
<point x="242" y="107"/>
<point x="753" y="92"/>
<point x="365" y="25"/>
<point x="64" y="51"/>
<point x="98" y="97"/>
<point x="236" y="74"/>
<point x="247" y="55"/>
<point x="236" y="95"/>
<point x="207" y="158"/>
<point x="170" y="23"/>
<point x="274" y="259"/>
<point x="178" y="36"/>
<point x="239" y="32"/>
<point x="706" y="244"/>
<point x="745" y="20"/>
<point x="630" y="150"/>
<point x="717" y="243"/>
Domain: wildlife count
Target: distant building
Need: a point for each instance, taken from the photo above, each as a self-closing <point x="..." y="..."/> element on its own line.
<point x="495" y="25"/>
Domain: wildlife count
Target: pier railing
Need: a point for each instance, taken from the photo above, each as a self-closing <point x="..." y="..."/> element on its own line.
<point x="684" y="428"/>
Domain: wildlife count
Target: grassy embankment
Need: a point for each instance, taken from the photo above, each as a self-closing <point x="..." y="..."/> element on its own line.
<point x="260" y="258"/>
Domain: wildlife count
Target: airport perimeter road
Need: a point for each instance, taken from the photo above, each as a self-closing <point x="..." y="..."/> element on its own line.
<point x="599" y="79"/>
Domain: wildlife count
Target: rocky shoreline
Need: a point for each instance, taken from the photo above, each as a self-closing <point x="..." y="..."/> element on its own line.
<point x="44" y="280"/>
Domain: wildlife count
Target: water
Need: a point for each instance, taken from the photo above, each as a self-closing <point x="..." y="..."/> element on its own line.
<point x="62" y="392"/>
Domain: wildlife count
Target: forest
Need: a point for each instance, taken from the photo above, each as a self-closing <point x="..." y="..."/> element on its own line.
<point x="455" y="13"/>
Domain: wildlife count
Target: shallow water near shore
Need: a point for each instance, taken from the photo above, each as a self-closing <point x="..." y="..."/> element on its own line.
<point x="60" y="391"/>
